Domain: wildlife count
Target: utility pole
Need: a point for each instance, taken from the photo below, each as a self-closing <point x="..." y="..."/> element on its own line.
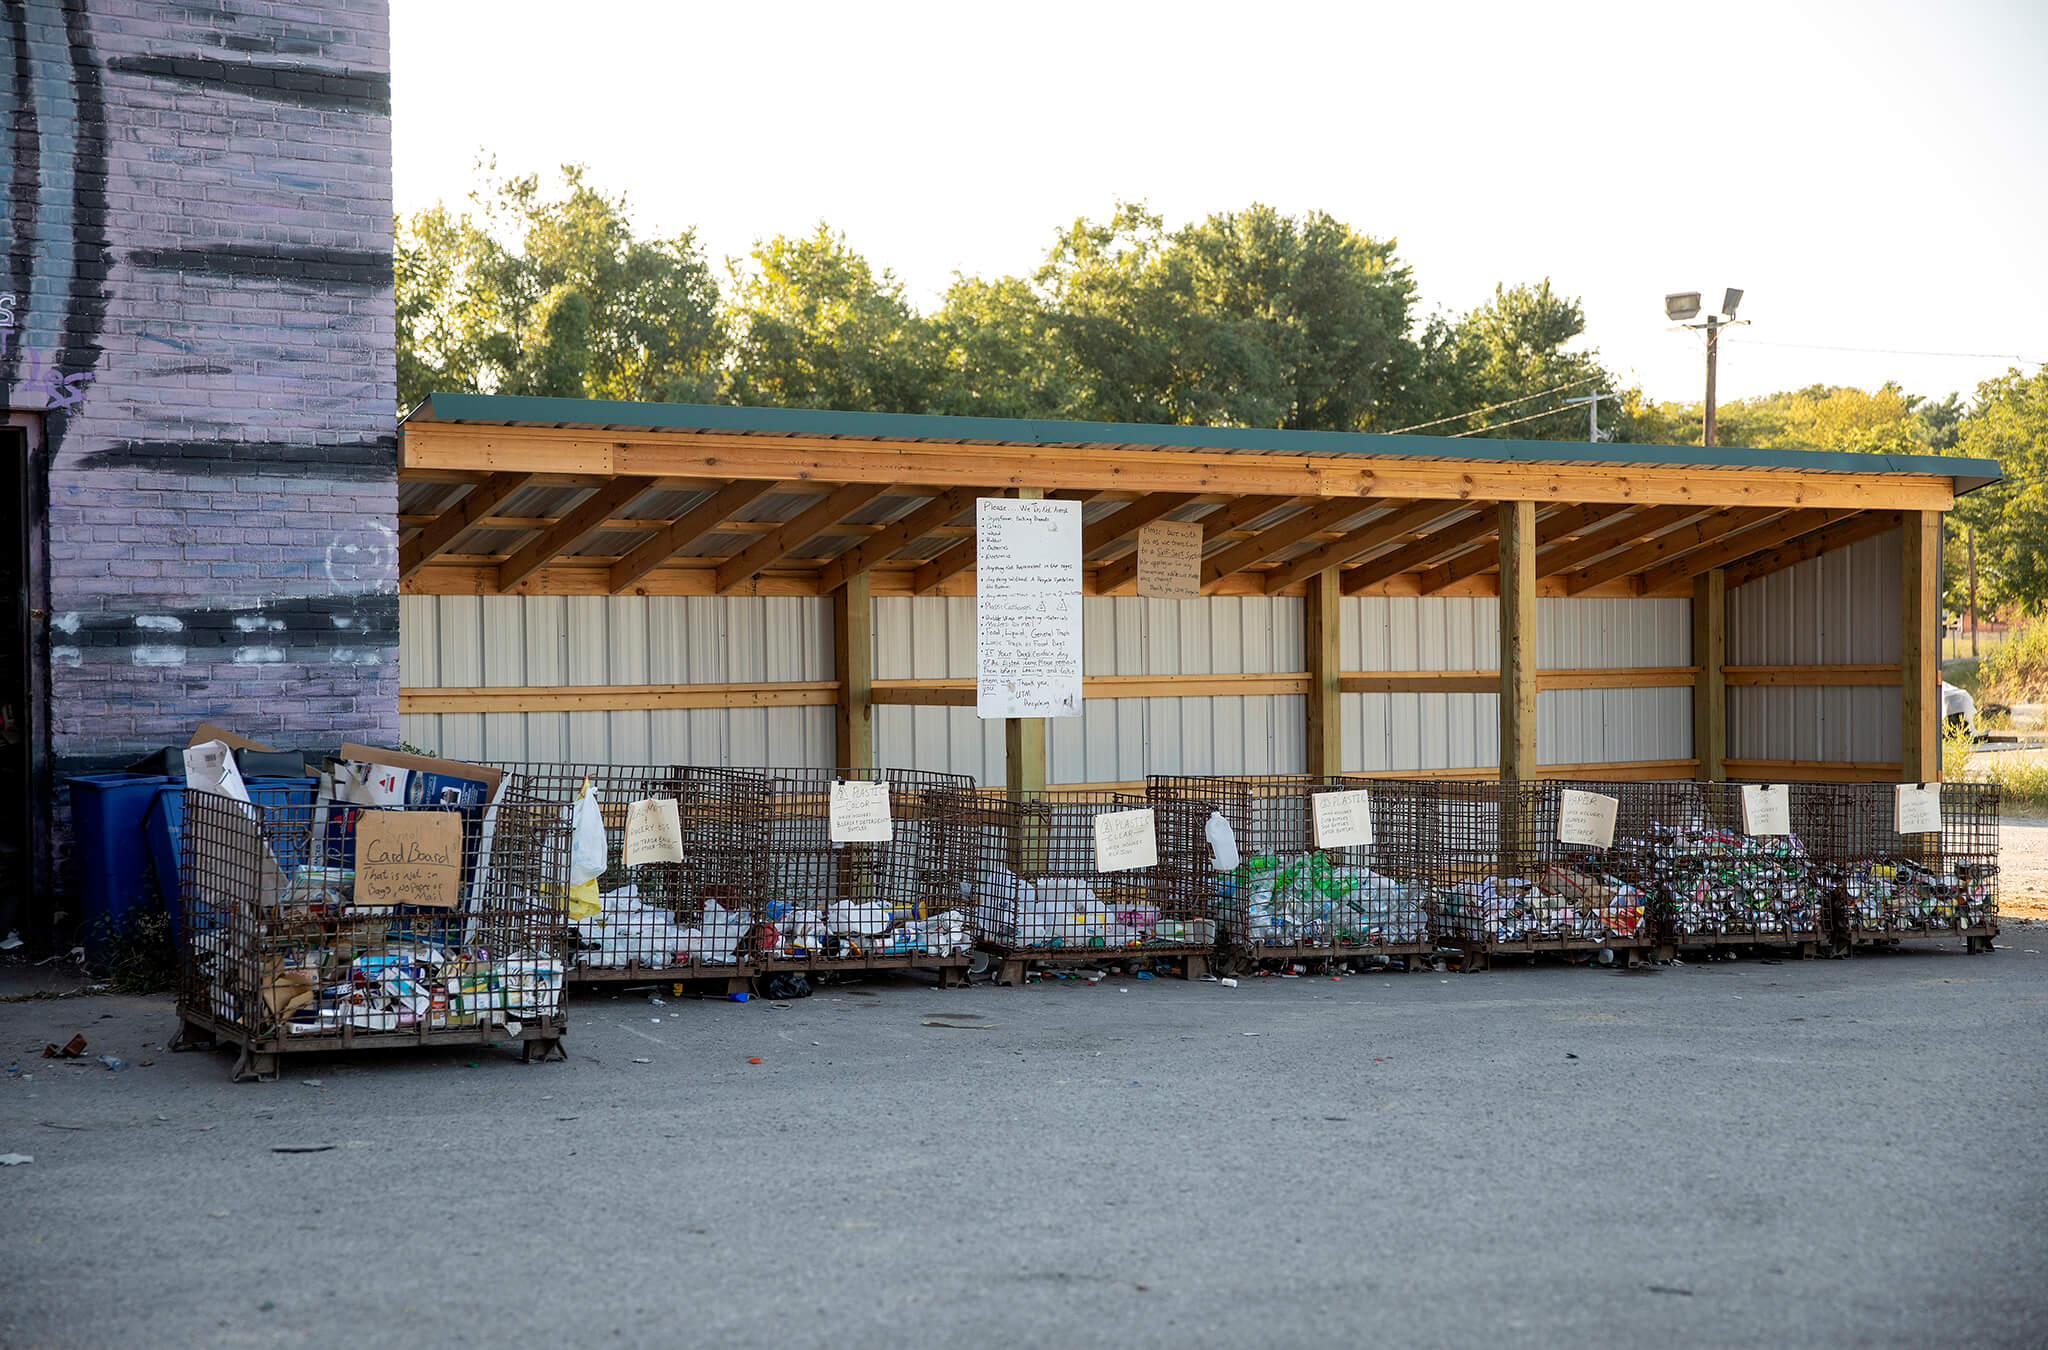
<point x="1592" y="402"/>
<point x="1682" y="306"/>
<point x="1713" y="350"/>
<point x="1970" y="546"/>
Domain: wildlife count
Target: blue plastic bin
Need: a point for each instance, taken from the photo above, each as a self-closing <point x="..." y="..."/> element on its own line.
<point x="107" y="813"/>
<point x="164" y="825"/>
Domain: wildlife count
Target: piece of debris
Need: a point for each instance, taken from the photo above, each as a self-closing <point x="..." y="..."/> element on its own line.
<point x="300" y="1148"/>
<point x="11" y="941"/>
<point x="955" y="1026"/>
<point x="71" y="1049"/>
<point x="14" y="1159"/>
<point x="113" y="1061"/>
<point x="643" y="1061"/>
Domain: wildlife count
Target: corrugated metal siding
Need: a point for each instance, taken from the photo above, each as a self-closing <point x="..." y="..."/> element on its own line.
<point x="1838" y="609"/>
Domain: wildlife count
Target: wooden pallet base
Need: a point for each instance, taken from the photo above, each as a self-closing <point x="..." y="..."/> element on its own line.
<point x="259" y="1058"/>
<point x="1804" y="947"/>
<point x="1013" y="963"/>
<point x="1478" y="956"/>
<point x="1408" y="955"/>
<point x="1977" y="940"/>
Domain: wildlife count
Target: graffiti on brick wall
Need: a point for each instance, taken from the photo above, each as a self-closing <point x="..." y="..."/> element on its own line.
<point x="39" y="372"/>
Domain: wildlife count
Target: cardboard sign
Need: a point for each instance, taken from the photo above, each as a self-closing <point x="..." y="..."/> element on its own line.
<point x="1170" y="559"/>
<point x="207" y="731"/>
<point x="1343" y="819"/>
<point x="1585" y="818"/>
<point x="654" y="832"/>
<point x="1124" y="840"/>
<point x="1917" y="808"/>
<point x="1766" y="808"/>
<point x="860" y="813"/>
<point x="409" y="858"/>
<point x="1027" y="608"/>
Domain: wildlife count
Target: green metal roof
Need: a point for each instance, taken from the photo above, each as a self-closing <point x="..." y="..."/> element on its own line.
<point x="607" y="415"/>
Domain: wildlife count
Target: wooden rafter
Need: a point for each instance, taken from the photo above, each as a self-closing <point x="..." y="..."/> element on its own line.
<point x="899" y="534"/>
<point x="1423" y="551"/>
<point x="1380" y="533"/>
<point x="1485" y="555"/>
<point x="1230" y="516"/>
<point x="1725" y="550"/>
<point x="572" y="529"/>
<point x="1632" y="528"/>
<point x="1130" y="518"/>
<point x="678" y="534"/>
<point x="1665" y="547"/>
<point x="1281" y="536"/>
<point x="744" y="566"/>
<point x="440" y="532"/>
<point x="1855" y="530"/>
<point x="957" y="559"/>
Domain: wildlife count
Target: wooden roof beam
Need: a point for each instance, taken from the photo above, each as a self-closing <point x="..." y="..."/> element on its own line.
<point x="897" y="535"/>
<point x="1485" y="556"/>
<point x="1421" y="552"/>
<point x="1665" y="547"/>
<point x="762" y="553"/>
<point x="1632" y="528"/>
<point x="1402" y="524"/>
<point x="1721" y="552"/>
<point x="1130" y="518"/>
<point x="1855" y="530"/>
<point x="1284" y="535"/>
<point x="1225" y="518"/>
<point x="437" y="535"/>
<point x="558" y="538"/>
<point x="960" y="557"/>
<point x="686" y="529"/>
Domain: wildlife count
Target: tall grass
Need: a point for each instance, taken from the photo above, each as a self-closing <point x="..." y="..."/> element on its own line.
<point x="2016" y="670"/>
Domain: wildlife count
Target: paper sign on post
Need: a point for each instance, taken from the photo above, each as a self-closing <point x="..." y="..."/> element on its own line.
<point x="1585" y="818"/>
<point x="409" y="858"/>
<point x="860" y="813"/>
<point x="1124" y="840"/>
<point x="1343" y="819"/>
<point x="1170" y="559"/>
<point x="1766" y="808"/>
<point x="1918" y="809"/>
<point x="654" y="832"/>
<point x="1027" y="608"/>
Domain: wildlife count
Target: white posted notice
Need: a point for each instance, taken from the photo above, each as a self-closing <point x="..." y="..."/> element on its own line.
<point x="1585" y="818"/>
<point x="1766" y="808"/>
<point x="1027" y="608"/>
<point x="1125" y="839"/>
<point x="1343" y="819"/>
<point x="654" y="832"/>
<point x="859" y="813"/>
<point x="1918" y="808"/>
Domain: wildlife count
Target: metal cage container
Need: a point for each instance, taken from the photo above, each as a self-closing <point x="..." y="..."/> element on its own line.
<point x="276" y="954"/>
<point x="1712" y="883"/>
<point x="1890" y="886"/>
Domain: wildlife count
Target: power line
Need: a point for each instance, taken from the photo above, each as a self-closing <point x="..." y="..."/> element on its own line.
<point x="1888" y="351"/>
<point x="1548" y="412"/>
<point x="1459" y="417"/>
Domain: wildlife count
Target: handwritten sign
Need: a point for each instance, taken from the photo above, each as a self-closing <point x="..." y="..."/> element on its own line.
<point x="409" y="858"/>
<point x="1917" y="808"/>
<point x="1170" y="559"/>
<point x="1124" y="840"/>
<point x="1027" y="608"/>
<point x="1766" y="808"/>
<point x="1343" y="819"/>
<point x="654" y="832"/>
<point x="860" y="813"/>
<point x="1585" y="818"/>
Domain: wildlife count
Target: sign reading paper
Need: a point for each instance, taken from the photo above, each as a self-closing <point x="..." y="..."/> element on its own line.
<point x="860" y="813"/>
<point x="1918" y="808"/>
<point x="1766" y="808"/>
<point x="1585" y="818"/>
<point x="654" y="832"/>
<point x="1124" y="840"/>
<point x="1343" y="819"/>
<point x="409" y="858"/>
<point x="1027" y="608"/>
<point x="1170" y="559"/>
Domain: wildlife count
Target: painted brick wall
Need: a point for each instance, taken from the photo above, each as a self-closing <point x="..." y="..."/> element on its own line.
<point x="197" y="223"/>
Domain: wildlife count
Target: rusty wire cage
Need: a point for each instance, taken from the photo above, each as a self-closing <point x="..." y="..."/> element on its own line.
<point x="1497" y="879"/>
<point x="1713" y="883"/>
<point x="276" y="954"/>
<point x="1286" y="899"/>
<point x="1890" y="886"/>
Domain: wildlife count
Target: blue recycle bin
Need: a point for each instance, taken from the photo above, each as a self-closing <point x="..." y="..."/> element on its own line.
<point x="164" y="824"/>
<point x="107" y="812"/>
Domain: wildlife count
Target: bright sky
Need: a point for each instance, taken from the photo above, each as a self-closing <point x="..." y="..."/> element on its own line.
<point x="1872" y="174"/>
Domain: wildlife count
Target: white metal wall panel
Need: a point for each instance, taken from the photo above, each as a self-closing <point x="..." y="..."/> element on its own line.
<point x="1838" y="609"/>
<point x="1607" y="726"/>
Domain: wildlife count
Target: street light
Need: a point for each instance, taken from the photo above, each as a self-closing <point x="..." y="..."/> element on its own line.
<point x="1681" y="306"/>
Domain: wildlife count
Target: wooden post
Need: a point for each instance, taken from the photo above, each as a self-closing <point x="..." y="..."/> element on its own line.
<point x="1517" y="641"/>
<point x="1024" y="737"/>
<point x="1325" y="704"/>
<point x="853" y="649"/>
<point x="1919" y="630"/>
<point x="1710" y="685"/>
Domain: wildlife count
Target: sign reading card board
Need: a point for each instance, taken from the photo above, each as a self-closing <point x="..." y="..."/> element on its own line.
<point x="1917" y="808"/>
<point x="409" y="858"/>
<point x="1585" y="818"/>
<point x="1027" y="608"/>
<point x="1170" y="559"/>
<point x="859" y="813"/>
<point x="1766" y="808"/>
<point x="1125" y="839"/>
<point x="654" y="832"/>
<point x="1343" y="819"/>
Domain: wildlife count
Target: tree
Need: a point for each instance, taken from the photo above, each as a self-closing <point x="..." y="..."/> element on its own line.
<point x="1511" y="351"/>
<point x="2008" y="422"/>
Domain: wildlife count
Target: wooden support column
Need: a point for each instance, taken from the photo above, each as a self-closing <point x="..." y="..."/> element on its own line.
<point x="1710" y="686"/>
<point x="1325" y="671"/>
<point x="1024" y="737"/>
<point x="1919" y="634"/>
<point x="853" y="648"/>
<point x="1517" y="641"/>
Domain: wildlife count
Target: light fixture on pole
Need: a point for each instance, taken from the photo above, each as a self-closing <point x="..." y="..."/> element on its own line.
<point x="1681" y="307"/>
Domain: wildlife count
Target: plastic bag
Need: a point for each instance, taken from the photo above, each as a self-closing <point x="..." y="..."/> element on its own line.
<point x="1223" y="853"/>
<point x="586" y="856"/>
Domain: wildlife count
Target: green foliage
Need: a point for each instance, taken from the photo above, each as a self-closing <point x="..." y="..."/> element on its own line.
<point x="2008" y="422"/>
<point x="1512" y="348"/>
<point x="139" y="957"/>
<point x="2016" y="670"/>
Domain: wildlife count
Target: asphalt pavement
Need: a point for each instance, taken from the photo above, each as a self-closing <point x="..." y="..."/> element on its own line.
<point x="1820" y="1153"/>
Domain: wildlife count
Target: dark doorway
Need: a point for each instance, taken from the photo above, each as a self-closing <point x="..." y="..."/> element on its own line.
<point x="19" y="713"/>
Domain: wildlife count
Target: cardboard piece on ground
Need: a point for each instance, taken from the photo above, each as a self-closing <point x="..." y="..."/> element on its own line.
<point x="654" y="832"/>
<point x="426" y="764"/>
<point x="1766" y="808"/>
<point x="859" y="813"/>
<point x="1125" y="839"/>
<point x="1917" y="808"/>
<point x="1343" y="819"/>
<point x="209" y="732"/>
<point x="1585" y="818"/>
<point x="409" y="858"/>
<point x="1170" y="559"/>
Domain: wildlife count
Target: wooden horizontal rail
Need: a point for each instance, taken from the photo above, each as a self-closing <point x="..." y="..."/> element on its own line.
<point x="1625" y="771"/>
<point x="1488" y="681"/>
<point x="618" y="698"/>
<point x="1811" y="771"/>
<point x="1809" y="676"/>
<point x="959" y="692"/>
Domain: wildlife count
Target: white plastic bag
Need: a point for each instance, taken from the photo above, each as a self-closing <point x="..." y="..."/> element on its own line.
<point x="586" y="855"/>
<point x="1222" y="843"/>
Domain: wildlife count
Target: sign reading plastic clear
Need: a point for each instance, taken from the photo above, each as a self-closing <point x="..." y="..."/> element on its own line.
<point x="1027" y="608"/>
<point x="409" y="858"/>
<point x="1585" y="818"/>
<point x="1918" y="808"/>
<point x="1170" y="559"/>
<point x="860" y="813"/>
<point x="1766" y="808"/>
<point x="1124" y="840"/>
<point x="1343" y="819"/>
<point x="654" y="832"/>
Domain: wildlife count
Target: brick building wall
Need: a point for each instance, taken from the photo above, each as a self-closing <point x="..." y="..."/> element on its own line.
<point x="197" y="299"/>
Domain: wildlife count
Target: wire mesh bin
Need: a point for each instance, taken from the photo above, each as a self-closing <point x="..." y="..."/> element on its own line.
<point x="1286" y="899"/>
<point x="1889" y="885"/>
<point x="317" y="926"/>
<point x="1714" y="882"/>
<point x="1496" y="877"/>
<point x="1040" y="896"/>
